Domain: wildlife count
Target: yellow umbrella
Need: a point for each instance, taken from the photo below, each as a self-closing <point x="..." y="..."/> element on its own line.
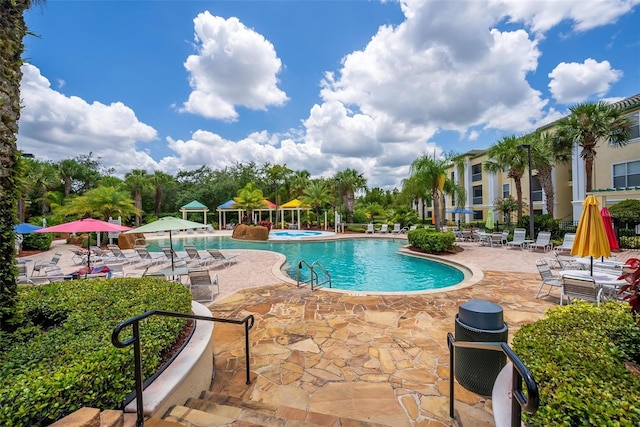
<point x="591" y="239"/>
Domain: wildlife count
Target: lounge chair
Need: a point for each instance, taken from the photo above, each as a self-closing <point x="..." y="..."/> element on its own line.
<point x="220" y="258"/>
<point x="148" y="258"/>
<point x="547" y="277"/>
<point x="396" y="229"/>
<point x="519" y="235"/>
<point x="584" y="288"/>
<point x="170" y="253"/>
<point x="40" y="266"/>
<point x="369" y="229"/>
<point x="495" y="239"/>
<point x="202" y="285"/>
<point x="383" y="229"/>
<point x="196" y="258"/>
<point x="566" y="262"/>
<point x="542" y="242"/>
<point x="79" y="256"/>
<point x="567" y="242"/>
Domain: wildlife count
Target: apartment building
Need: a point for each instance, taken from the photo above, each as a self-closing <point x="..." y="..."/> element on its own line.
<point x="616" y="177"/>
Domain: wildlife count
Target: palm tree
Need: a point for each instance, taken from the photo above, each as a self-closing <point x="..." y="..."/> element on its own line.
<point x="416" y="191"/>
<point x="298" y="182"/>
<point x="42" y="177"/>
<point x="506" y="154"/>
<point x="159" y="180"/>
<point x="544" y="159"/>
<point x="430" y="173"/>
<point x="137" y="181"/>
<point x="317" y="195"/>
<point x="249" y="198"/>
<point x="350" y="181"/>
<point x="100" y="202"/>
<point x="276" y="174"/>
<point x="68" y="169"/>
<point x="589" y="124"/>
<point x="12" y="32"/>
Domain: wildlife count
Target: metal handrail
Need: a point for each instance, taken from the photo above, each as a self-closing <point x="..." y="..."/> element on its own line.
<point x="317" y="264"/>
<point x="134" y="322"/>
<point x="529" y="402"/>
<point x="313" y="275"/>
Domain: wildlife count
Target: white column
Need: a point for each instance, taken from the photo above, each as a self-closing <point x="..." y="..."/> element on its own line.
<point x="578" y="178"/>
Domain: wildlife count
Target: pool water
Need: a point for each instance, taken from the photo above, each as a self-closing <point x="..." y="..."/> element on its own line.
<point x="297" y="234"/>
<point x="354" y="264"/>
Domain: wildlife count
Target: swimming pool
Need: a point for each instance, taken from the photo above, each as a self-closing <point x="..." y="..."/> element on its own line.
<point x="354" y="264"/>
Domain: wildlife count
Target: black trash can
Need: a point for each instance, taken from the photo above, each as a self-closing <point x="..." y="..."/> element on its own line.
<point x="479" y="321"/>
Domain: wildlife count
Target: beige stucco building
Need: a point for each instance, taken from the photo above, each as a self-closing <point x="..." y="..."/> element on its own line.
<point x="616" y="177"/>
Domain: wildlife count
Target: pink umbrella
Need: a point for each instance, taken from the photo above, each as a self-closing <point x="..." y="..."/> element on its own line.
<point x="608" y="228"/>
<point x="86" y="225"/>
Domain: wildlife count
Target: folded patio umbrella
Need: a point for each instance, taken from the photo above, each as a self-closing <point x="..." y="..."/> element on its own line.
<point x="489" y="224"/>
<point x="608" y="228"/>
<point x="591" y="239"/>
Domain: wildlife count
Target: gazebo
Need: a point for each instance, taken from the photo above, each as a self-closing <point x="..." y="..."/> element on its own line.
<point x="230" y="206"/>
<point x="195" y="206"/>
<point x="294" y="205"/>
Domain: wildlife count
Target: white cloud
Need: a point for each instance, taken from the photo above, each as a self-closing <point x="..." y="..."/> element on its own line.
<point x="574" y="82"/>
<point x="234" y="66"/>
<point x="56" y="126"/>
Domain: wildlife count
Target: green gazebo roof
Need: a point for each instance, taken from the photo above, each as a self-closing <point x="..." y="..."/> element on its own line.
<point x="194" y="205"/>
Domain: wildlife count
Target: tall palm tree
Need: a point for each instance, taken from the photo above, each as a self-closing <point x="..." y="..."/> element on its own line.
<point x="298" y="182"/>
<point x="42" y="177"/>
<point x="588" y="125"/>
<point x="505" y="154"/>
<point x="159" y="180"/>
<point x="349" y="182"/>
<point x="430" y="173"/>
<point x="317" y="194"/>
<point x="412" y="188"/>
<point x="69" y="169"/>
<point x="12" y="32"/>
<point x="249" y="198"/>
<point x="137" y="181"/>
<point x="102" y="203"/>
<point x="544" y="159"/>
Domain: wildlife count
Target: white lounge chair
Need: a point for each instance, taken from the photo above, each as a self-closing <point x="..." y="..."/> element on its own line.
<point x="567" y="242"/>
<point x="40" y="266"/>
<point x="383" y="229"/>
<point x="548" y="279"/>
<point x="219" y="257"/>
<point x="396" y="228"/>
<point x="519" y="235"/>
<point x="369" y="229"/>
<point x="196" y="257"/>
<point x="202" y="285"/>
<point x="542" y="242"/>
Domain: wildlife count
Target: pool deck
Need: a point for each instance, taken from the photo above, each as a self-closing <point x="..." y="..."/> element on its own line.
<point x="375" y="358"/>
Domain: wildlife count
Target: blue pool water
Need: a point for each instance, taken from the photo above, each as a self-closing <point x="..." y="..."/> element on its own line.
<point x="297" y="234"/>
<point x="354" y="264"/>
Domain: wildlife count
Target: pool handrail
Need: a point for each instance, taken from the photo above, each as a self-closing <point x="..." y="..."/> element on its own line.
<point x="313" y="275"/>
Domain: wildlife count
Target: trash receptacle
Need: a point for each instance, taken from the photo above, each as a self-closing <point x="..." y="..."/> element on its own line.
<point x="479" y="321"/>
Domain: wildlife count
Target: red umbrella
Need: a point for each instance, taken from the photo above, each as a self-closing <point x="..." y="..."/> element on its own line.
<point x="86" y="225"/>
<point x="608" y="228"/>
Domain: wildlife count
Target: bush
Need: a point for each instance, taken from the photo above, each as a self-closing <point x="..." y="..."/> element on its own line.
<point x="544" y="222"/>
<point x="61" y="357"/>
<point x="576" y="355"/>
<point x="37" y="241"/>
<point x="431" y="242"/>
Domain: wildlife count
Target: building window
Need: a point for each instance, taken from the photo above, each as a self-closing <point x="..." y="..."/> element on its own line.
<point x="476" y="172"/>
<point x="537" y="189"/>
<point x="626" y="174"/>
<point x="477" y="195"/>
<point x="505" y="191"/>
<point x="635" y="129"/>
<point x="477" y="215"/>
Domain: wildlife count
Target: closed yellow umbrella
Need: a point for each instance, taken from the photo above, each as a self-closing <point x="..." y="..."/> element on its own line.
<point x="591" y="239"/>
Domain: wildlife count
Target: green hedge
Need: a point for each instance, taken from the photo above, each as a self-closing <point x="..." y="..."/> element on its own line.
<point x="576" y="355"/>
<point x="61" y="357"/>
<point x="37" y="241"/>
<point x="430" y="241"/>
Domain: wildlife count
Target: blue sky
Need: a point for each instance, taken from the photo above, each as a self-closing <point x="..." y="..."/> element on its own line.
<point x="315" y="85"/>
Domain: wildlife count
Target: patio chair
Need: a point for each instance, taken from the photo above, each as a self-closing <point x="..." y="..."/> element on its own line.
<point x="519" y="235"/>
<point x="547" y="277"/>
<point x="396" y="229"/>
<point x="543" y="242"/>
<point x="566" y="262"/>
<point x="220" y="258"/>
<point x="584" y="288"/>
<point x="175" y="255"/>
<point x="196" y="258"/>
<point x="117" y="269"/>
<point x="79" y="256"/>
<point x="494" y="239"/>
<point x="40" y="266"/>
<point x="202" y="285"/>
<point x="148" y="258"/>
<point x="567" y="243"/>
<point x="369" y="229"/>
<point x="383" y="229"/>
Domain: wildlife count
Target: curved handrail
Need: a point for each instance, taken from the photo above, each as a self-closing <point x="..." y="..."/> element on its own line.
<point x="529" y="402"/>
<point x="317" y="264"/>
<point x="134" y="322"/>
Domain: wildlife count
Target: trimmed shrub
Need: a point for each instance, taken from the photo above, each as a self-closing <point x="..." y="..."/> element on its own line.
<point x="37" y="241"/>
<point x="430" y="241"/>
<point x="577" y="356"/>
<point x="61" y="357"/>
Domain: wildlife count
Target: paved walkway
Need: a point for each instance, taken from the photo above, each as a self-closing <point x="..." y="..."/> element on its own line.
<point x="375" y="358"/>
